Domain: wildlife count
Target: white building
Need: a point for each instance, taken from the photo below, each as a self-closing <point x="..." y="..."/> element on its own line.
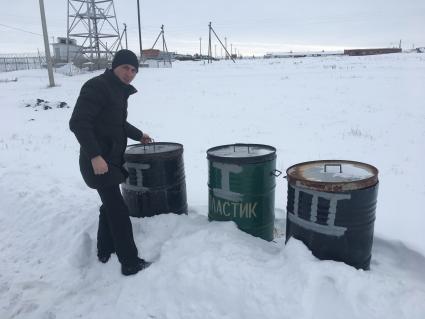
<point x="60" y="50"/>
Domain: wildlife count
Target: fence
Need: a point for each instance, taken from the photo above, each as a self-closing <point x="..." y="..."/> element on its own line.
<point x="156" y="64"/>
<point x="21" y="62"/>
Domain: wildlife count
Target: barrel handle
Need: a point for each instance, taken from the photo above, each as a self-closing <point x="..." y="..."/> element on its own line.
<point x="340" y="166"/>
<point x="153" y="142"/>
<point x="234" y="148"/>
<point x="276" y="173"/>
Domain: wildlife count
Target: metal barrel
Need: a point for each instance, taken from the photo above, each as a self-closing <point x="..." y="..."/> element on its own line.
<point x="241" y="183"/>
<point x="156" y="182"/>
<point x="331" y="208"/>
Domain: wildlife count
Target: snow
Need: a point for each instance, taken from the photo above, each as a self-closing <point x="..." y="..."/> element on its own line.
<point x="367" y="109"/>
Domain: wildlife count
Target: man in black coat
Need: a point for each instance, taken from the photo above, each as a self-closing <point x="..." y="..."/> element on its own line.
<point x="99" y="121"/>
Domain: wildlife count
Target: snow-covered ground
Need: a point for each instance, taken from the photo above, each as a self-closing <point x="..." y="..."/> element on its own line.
<point x="368" y="109"/>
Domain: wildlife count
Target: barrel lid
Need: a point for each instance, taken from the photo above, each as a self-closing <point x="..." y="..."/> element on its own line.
<point x="242" y="153"/>
<point x="333" y="175"/>
<point x="152" y="149"/>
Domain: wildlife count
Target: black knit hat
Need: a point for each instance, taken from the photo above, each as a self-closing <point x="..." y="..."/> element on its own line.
<point x="125" y="57"/>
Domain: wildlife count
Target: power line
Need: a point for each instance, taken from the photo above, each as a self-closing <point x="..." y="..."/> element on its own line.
<point x="18" y="29"/>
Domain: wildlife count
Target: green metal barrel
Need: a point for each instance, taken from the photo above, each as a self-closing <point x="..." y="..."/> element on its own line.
<point x="241" y="183"/>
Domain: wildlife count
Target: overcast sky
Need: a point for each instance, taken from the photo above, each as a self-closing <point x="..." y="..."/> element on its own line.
<point x="252" y="27"/>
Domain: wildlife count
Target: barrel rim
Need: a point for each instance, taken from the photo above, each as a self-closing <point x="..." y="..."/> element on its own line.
<point x="334" y="187"/>
<point x="136" y="157"/>
<point x="242" y="160"/>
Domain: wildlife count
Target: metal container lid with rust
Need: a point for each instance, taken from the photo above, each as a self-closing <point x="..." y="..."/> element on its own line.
<point x="333" y="175"/>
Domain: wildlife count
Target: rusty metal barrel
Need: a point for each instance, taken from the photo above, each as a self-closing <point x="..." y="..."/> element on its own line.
<point x="331" y="208"/>
<point x="156" y="182"/>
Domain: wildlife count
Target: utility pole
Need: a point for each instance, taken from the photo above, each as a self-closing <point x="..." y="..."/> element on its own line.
<point x="67" y="35"/>
<point x="164" y="44"/>
<point x="163" y="39"/>
<point x="225" y="47"/>
<point x="125" y="32"/>
<point x="209" y="44"/>
<point x="200" y="47"/>
<point x="140" y="32"/>
<point x="215" y="51"/>
<point x="222" y="45"/>
<point x="46" y="44"/>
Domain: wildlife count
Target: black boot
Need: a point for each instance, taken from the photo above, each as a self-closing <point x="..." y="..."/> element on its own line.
<point x="103" y="258"/>
<point x="128" y="270"/>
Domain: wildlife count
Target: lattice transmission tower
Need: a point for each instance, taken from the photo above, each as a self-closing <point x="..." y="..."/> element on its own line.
<point x="95" y="22"/>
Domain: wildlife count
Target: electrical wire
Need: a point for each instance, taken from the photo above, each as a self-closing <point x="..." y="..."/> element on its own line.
<point x="19" y="29"/>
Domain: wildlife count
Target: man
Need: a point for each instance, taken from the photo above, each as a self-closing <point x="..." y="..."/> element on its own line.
<point x="99" y="121"/>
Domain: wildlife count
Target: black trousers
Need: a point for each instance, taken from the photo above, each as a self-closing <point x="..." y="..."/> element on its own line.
<point x="115" y="233"/>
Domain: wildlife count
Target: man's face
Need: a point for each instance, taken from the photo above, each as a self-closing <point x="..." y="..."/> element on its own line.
<point x="125" y="72"/>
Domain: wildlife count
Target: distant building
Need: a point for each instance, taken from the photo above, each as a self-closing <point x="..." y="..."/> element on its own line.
<point x="301" y="54"/>
<point x="154" y="54"/>
<point x="150" y="53"/>
<point x="184" y="57"/>
<point x="60" y="50"/>
<point x="357" y="52"/>
<point x="153" y="58"/>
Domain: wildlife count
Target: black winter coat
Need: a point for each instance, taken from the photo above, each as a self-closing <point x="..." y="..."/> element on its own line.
<point x="99" y="121"/>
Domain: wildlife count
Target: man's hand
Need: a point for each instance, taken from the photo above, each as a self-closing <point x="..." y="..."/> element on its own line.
<point x="146" y="139"/>
<point x="99" y="165"/>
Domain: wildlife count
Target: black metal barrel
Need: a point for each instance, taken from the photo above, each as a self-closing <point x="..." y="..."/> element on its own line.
<point x="156" y="182"/>
<point x="331" y="208"/>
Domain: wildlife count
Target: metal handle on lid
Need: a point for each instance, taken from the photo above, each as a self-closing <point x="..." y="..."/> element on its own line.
<point x="153" y="142"/>
<point x="234" y="147"/>
<point x="340" y="166"/>
<point x="276" y="173"/>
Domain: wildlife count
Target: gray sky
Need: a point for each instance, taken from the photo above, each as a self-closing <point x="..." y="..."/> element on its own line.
<point x="253" y="27"/>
